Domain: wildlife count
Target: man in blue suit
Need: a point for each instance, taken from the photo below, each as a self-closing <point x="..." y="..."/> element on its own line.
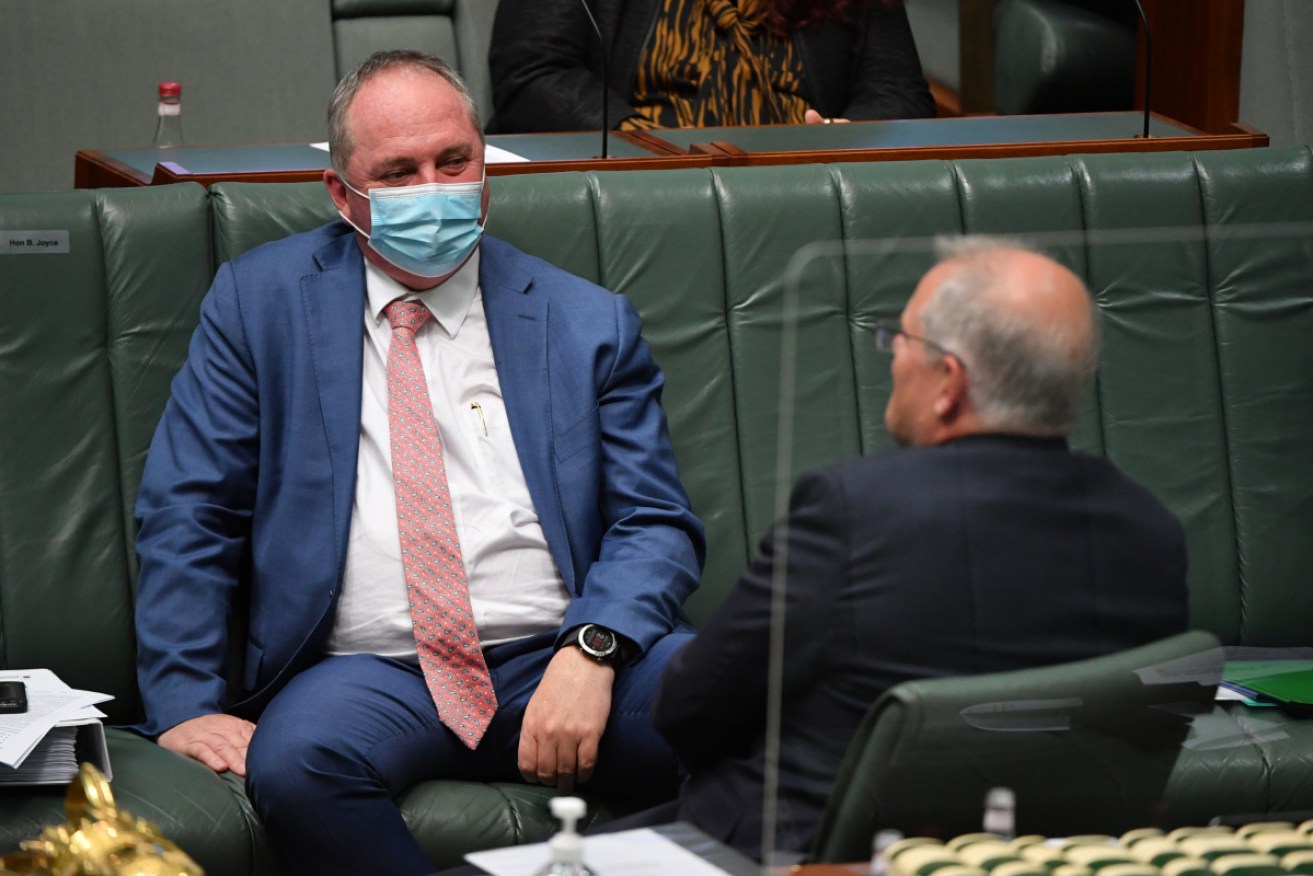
<point x="269" y="493"/>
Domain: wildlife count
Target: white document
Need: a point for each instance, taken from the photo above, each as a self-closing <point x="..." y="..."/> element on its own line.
<point x="494" y="155"/>
<point x="1226" y="695"/>
<point x="642" y="852"/>
<point x="53" y="759"/>
<point x="49" y="702"/>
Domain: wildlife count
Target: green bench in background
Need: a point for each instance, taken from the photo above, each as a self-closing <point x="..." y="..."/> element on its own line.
<point x="1203" y="269"/>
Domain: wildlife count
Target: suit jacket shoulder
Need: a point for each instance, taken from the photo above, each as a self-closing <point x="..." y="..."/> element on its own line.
<point x="279" y="262"/>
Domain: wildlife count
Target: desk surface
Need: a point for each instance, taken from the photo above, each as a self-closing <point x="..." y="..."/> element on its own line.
<point x="915" y="133"/>
<point x="224" y="159"/>
<point x="302" y="162"/>
<point x="966" y="137"/>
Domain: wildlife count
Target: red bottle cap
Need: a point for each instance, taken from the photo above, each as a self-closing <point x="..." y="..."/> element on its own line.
<point x="170" y="89"/>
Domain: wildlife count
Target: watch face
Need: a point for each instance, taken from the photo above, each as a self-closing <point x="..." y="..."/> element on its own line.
<point x="598" y="641"/>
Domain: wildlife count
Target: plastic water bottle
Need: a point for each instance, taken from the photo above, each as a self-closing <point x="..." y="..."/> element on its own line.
<point x="1001" y="813"/>
<point x="168" y="129"/>
<point x="879" y="846"/>
<point x="566" y="847"/>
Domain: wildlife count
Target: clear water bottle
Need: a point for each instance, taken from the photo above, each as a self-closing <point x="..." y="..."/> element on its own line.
<point x="1001" y="813"/>
<point x="168" y="129"/>
<point x="566" y="848"/>
<point x="879" y="850"/>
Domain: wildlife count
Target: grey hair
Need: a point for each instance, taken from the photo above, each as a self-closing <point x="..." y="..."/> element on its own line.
<point x="340" y="146"/>
<point x="1022" y="375"/>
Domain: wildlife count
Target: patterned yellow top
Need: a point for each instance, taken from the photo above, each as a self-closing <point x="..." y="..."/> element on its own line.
<point x="712" y="62"/>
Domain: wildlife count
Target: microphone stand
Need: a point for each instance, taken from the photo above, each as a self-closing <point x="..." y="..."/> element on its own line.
<point x="606" y="121"/>
<point x="1148" y="65"/>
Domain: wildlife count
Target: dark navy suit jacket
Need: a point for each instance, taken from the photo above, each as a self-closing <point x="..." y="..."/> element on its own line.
<point x="246" y="498"/>
<point x="986" y="554"/>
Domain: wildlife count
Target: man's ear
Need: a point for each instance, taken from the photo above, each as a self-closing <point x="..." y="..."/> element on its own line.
<point x="336" y="190"/>
<point x="952" y="397"/>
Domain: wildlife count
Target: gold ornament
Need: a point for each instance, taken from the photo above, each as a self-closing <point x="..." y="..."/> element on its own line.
<point x="99" y="840"/>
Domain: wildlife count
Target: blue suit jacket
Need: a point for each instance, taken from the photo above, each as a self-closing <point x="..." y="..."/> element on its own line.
<point x="246" y="498"/>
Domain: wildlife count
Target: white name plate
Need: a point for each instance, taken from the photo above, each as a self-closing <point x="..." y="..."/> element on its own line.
<point x="30" y="242"/>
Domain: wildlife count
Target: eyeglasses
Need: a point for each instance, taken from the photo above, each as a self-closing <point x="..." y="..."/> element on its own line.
<point x="885" y="334"/>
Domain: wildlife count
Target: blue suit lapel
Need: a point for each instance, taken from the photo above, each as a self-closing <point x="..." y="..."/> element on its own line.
<point x="517" y="327"/>
<point x="334" y="305"/>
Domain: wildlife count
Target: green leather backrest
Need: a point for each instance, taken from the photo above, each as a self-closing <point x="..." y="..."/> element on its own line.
<point x="458" y="31"/>
<point x="89" y="340"/>
<point x="1055" y="56"/>
<point x="1200" y="263"/>
<point x="1110" y="727"/>
<point x="1202" y="266"/>
<point x="249" y="214"/>
<point x="360" y="28"/>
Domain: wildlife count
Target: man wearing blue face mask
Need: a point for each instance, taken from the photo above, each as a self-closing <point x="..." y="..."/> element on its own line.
<point x="461" y="560"/>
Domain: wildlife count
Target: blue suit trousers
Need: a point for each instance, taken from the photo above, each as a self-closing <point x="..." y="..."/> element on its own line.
<point x="345" y="738"/>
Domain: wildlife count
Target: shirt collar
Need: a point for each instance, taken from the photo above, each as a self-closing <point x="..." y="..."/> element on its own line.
<point x="449" y="301"/>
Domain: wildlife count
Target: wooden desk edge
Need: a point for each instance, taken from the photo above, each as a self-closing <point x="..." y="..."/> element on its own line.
<point x="1206" y="142"/>
<point x="93" y="169"/>
<point x="651" y="142"/>
<point x="165" y="176"/>
<point x="1251" y="131"/>
<point x="723" y="153"/>
<point x="656" y="162"/>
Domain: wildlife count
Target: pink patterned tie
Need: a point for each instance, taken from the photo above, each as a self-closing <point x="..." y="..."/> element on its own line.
<point x="445" y="635"/>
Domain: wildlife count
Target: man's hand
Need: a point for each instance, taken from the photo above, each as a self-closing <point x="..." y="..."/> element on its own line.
<point x="218" y="741"/>
<point x="564" y="721"/>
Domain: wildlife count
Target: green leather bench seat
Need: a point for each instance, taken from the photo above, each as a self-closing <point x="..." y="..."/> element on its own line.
<point x="1203" y="269"/>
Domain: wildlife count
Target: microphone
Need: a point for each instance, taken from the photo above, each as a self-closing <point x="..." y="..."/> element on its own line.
<point x="606" y="121"/>
<point x="1148" y="65"/>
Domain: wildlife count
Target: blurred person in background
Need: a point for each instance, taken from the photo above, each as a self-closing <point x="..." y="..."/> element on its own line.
<point x="699" y="63"/>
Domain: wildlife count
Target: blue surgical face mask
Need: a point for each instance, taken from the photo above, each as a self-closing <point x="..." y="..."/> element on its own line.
<point x="427" y="230"/>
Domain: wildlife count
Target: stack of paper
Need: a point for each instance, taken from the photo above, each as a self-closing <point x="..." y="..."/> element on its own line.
<point x="641" y="852"/>
<point x="41" y="746"/>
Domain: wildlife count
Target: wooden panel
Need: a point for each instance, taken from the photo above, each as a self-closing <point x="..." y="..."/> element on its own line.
<point x="1195" y="74"/>
<point x="975" y="41"/>
<point x="904" y="140"/>
<point x="94" y="170"/>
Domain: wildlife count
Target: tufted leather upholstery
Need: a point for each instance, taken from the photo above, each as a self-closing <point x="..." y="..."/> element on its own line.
<point x="1203" y="269"/>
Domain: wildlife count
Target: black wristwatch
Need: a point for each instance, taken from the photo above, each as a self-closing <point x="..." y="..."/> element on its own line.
<point x="599" y="643"/>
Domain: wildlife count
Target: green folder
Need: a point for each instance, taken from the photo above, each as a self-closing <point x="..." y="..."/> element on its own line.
<point x="1285" y="683"/>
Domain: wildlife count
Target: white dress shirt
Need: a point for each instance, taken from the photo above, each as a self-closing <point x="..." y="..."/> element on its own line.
<point x="515" y="588"/>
